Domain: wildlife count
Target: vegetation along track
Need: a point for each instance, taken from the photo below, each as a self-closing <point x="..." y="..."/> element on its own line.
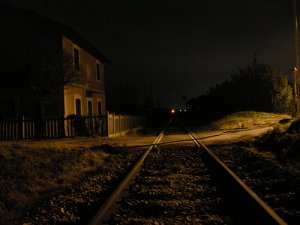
<point x="179" y="182"/>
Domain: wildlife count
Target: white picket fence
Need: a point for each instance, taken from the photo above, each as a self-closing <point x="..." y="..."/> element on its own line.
<point x="121" y="124"/>
<point x="109" y="125"/>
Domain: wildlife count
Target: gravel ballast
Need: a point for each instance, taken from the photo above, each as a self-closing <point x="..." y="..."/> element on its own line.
<point x="173" y="187"/>
<point x="276" y="184"/>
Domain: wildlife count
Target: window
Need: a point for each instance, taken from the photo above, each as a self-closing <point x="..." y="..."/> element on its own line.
<point x="90" y="108"/>
<point x="97" y="71"/>
<point x="99" y="106"/>
<point x="78" y="107"/>
<point x="76" y="59"/>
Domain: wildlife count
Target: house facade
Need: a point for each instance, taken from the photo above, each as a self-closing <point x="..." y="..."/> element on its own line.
<point x="85" y="96"/>
<point x="30" y="45"/>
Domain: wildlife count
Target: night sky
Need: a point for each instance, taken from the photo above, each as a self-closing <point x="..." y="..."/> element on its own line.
<point x="178" y="47"/>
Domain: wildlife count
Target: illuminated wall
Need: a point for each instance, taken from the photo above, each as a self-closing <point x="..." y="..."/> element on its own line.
<point x="88" y="87"/>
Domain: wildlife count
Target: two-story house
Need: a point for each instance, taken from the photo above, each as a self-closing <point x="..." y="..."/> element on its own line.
<point x="85" y="96"/>
<point x="27" y="37"/>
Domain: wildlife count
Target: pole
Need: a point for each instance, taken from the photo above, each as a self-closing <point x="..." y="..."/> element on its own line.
<point x="296" y="33"/>
<point x="296" y="70"/>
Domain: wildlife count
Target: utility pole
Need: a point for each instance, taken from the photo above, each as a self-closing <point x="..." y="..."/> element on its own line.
<point x="296" y="69"/>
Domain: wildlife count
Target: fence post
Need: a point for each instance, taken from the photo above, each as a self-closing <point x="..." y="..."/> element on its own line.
<point x="114" y="123"/>
<point x="119" y="123"/>
<point x="23" y="127"/>
<point x="107" y="124"/>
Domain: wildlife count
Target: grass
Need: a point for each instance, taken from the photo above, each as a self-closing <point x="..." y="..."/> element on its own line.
<point x="248" y="119"/>
<point x="29" y="173"/>
<point x="284" y="142"/>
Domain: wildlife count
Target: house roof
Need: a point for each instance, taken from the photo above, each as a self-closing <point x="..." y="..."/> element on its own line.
<point x="65" y="30"/>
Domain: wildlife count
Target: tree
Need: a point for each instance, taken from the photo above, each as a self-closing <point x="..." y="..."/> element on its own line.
<point x="282" y="95"/>
<point x="34" y="74"/>
<point x="45" y="74"/>
<point x="257" y="87"/>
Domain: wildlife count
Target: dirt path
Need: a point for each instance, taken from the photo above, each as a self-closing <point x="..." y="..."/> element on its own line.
<point x="208" y="137"/>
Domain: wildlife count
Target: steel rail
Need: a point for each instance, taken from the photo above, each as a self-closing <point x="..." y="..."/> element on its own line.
<point x="263" y="213"/>
<point x="104" y="212"/>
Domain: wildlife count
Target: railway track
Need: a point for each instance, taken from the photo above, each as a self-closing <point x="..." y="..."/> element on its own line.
<point x="182" y="182"/>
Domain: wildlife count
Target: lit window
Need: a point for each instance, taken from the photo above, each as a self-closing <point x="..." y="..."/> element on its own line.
<point x="76" y="59"/>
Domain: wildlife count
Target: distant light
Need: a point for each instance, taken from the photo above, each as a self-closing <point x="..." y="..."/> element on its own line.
<point x="180" y="110"/>
<point x="185" y="110"/>
<point x="172" y="111"/>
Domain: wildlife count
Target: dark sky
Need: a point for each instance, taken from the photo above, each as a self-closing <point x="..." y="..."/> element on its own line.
<point x="178" y="47"/>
